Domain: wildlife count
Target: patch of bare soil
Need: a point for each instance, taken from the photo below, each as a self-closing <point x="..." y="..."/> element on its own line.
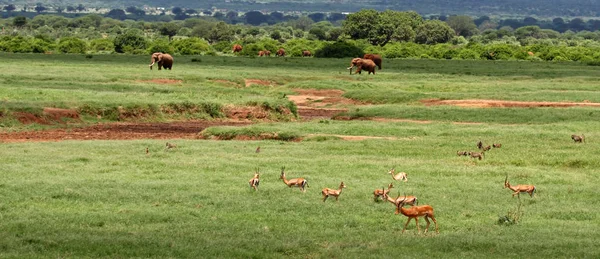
<point x="225" y="82"/>
<point x="120" y="131"/>
<point x="249" y="82"/>
<point x="311" y="103"/>
<point x="48" y="116"/>
<point x="246" y="113"/>
<point x="505" y="104"/>
<point x="162" y="81"/>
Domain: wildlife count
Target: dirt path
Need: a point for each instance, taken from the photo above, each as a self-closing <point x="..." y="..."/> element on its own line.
<point x="505" y="104"/>
<point x="320" y="104"/>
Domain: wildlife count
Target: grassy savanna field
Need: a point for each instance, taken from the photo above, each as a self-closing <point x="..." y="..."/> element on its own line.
<point x="108" y="198"/>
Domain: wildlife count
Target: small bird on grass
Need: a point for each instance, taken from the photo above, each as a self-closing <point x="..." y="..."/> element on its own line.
<point x="258" y="149"/>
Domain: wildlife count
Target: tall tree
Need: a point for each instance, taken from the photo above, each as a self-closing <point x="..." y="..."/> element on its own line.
<point x="463" y="25"/>
<point x="169" y="29"/>
<point x="433" y="32"/>
<point x="9" y="8"/>
<point x="255" y="18"/>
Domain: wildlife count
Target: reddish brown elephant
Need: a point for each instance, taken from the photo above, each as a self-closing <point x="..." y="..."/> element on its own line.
<point x="261" y="53"/>
<point x="163" y="60"/>
<point x="306" y="53"/>
<point x="267" y="53"/>
<point x="280" y="52"/>
<point x="376" y="58"/>
<point x="236" y="48"/>
<point x="361" y="64"/>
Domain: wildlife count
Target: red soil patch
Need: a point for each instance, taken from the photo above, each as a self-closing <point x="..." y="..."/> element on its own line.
<point x="249" y="82"/>
<point x="162" y="81"/>
<point x="48" y="116"/>
<point x="505" y="104"/>
<point x="311" y="102"/>
<point x="246" y="113"/>
<point x="120" y="131"/>
<point x="225" y="82"/>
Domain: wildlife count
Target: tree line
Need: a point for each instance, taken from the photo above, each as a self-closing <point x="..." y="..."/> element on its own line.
<point x="391" y="33"/>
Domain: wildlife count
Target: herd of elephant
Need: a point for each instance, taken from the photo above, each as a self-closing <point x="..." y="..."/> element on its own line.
<point x="368" y="62"/>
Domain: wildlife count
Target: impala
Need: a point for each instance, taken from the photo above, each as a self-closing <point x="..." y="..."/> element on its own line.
<point x="298" y="182"/>
<point x="411" y="200"/>
<point x="415" y="212"/>
<point x="332" y="192"/>
<point x="518" y="189"/>
<point x="398" y="176"/>
<point x="255" y="181"/>
<point x="379" y="192"/>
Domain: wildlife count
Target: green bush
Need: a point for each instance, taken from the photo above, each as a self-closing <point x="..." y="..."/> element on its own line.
<point x="132" y="41"/>
<point x="499" y="52"/>
<point x="466" y="53"/>
<point x="72" y="45"/>
<point x="403" y="50"/>
<point x="41" y="46"/>
<point x="98" y="45"/>
<point x="160" y="45"/>
<point x="16" y="44"/>
<point x="339" y="49"/>
<point x="190" y="46"/>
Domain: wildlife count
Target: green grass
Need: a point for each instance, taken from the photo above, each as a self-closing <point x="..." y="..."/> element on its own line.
<point x="109" y="199"/>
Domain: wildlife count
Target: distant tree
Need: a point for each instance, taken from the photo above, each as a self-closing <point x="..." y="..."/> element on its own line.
<point x="276" y="16"/>
<point x="303" y="23"/>
<point x="71" y="8"/>
<point x="9" y="8"/>
<point x="433" y="32"/>
<point x="118" y="14"/>
<point x="131" y="9"/>
<point x="59" y="9"/>
<point x="192" y="12"/>
<point x="255" y="18"/>
<point x="481" y="20"/>
<point x="231" y="15"/>
<point x="463" y="25"/>
<point x="169" y="29"/>
<point x="220" y="32"/>
<point x="317" y="17"/>
<point x="318" y="33"/>
<point x="134" y="10"/>
<point x="528" y="31"/>
<point x="527" y="21"/>
<point x="207" y="12"/>
<point x="381" y="28"/>
<point x="19" y="21"/>
<point x="39" y="8"/>
<point x="487" y="25"/>
<point x="177" y="10"/>
<point x="219" y="15"/>
<point x="333" y="17"/>
<point x="334" y="34"/>
<point x="72" y="45"/>
<point x="577" y="24"/>
<point x="81" y="8"/>
<point x="276" y="35"/>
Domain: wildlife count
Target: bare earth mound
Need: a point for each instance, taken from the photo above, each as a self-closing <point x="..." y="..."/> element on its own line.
<point x="311" y="103"/>
<point x="119" y="131"/>
<point x="507" y="104"/>
<point x="249" y="82"/>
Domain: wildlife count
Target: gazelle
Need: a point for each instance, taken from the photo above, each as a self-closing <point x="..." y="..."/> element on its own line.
<point x="379" y="192"/>
<point x="411" y="200"/>
<point x="415" y="212"/>
<point x="255" y="181"/>
<point x="170" y="145"/>
<point x="299" y="182"/>
<point x="518" y="189"/>
<point x="331" y="192"/>
<point x="398" y="176"/>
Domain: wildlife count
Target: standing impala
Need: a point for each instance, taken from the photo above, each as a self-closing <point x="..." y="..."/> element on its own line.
<point x="411" y="200"/>
<point x="255" y="181"/>
<point x="415" y="212"/>
<point x="379" y="192"/>
<point x="332" y="192"/>
<point x="518" y="189"/>
<point x="399" y="176"/>
<point x="298" y="182"/>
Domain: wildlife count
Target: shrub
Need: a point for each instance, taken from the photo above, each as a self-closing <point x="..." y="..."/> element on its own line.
<point x="72" y="45"/>
<point x="466" y="53"/>
<point x="16" y="44"/>
<point x="498" y="52"/>
<point x="190" y="46"/>
<point x="41" y="46"/>
<point x="403" y="50"/>
<point x="131" y="41"/>
<point x="98" y="45"/>
<point x="340" y="49"/>
<point x="160" y="45"/>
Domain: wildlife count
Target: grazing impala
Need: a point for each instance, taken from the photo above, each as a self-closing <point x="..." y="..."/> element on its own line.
<point x="255" y="181"/>
<point x="415" y="212"/>
<point x="411" y="200"/>
<point x="518" y="189"/>
<point x="332" y="192"/>
<point x="379" y="192"/>
<point x="299" y="182"/>
<point x="398" y="176"/>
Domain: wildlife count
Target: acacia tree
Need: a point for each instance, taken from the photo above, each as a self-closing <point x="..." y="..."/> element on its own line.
<point x="169" y="29"/>
<point x="463" y="25"/>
